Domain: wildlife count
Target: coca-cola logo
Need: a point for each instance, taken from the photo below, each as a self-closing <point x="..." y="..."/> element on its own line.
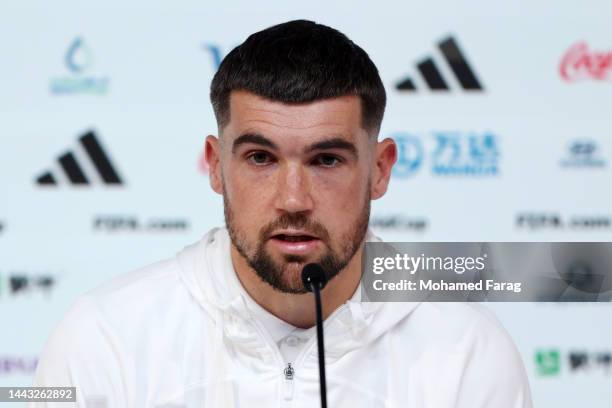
<point x="579" y="62"/>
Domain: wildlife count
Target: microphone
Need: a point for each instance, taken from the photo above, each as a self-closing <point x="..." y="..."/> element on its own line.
<point x="314" y="280"/>
<point x="313" y="274"/>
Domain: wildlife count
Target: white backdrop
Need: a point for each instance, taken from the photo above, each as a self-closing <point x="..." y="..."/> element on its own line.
<point x="528" y="154"/>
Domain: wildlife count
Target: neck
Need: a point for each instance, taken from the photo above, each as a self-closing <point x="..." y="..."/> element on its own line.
<point x="299" y="310"/>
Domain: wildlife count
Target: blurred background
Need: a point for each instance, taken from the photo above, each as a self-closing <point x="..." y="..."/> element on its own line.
<point x="501" y="112"/>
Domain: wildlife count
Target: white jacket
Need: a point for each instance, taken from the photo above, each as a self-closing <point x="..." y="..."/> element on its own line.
<point x="174" y="335"/>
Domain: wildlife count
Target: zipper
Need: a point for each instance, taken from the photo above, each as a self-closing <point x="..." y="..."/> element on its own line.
<point x="288" y="380"/>
<point x="288" y="371"/>
<point x="288" y="385"/>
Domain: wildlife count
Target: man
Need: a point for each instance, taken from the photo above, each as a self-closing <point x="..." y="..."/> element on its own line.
<point x="227" y="322"/>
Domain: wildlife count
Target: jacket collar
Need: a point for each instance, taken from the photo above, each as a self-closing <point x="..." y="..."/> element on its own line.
<point x="206" y="270"/>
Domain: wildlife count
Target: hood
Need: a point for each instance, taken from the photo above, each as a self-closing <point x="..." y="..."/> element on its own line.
<point x="206" y="270"/>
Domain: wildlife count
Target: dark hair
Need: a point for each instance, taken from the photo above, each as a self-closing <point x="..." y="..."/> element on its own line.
<point x="300" y="61"/>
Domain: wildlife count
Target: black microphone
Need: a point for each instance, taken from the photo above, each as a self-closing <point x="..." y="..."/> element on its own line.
<point x="314" y="279"/>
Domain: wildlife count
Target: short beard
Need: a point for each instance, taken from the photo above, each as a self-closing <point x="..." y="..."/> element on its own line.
<point x="272" y="272"/>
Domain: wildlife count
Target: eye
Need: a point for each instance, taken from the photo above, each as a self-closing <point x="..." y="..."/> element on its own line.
<point x="259" y="158"/>
<point x="327" y="160"/>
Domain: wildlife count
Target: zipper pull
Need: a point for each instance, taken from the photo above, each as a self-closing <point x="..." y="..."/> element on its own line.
<point x="288" y="372"/>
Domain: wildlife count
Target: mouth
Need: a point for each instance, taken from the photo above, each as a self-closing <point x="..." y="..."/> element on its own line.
<point x="295" y="242"/>
<point x="294" y="238"/>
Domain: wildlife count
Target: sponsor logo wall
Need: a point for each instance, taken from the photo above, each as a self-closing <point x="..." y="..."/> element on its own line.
<point x="453" y="153"/>
<point x="555" y="362"/>
<point x="20" y="283"/>
<point x="78" y="78"/>
<point x="582" y="63"/>
<point x="93" y="153"/>
<point x="503" y="134"/>
<point x="583" y="154"/>
<point x="434" y="79"/>
<point x="17" y="365"/>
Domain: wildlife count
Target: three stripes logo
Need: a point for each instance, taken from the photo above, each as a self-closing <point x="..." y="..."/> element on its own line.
<point x="434" y="78"/>
<point x="93" y="157"/>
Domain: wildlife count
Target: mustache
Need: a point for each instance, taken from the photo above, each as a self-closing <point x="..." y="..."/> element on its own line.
<point x="296" y="221"/>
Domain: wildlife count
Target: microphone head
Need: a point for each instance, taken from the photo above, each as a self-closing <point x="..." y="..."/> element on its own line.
<point x="313" y="274"/>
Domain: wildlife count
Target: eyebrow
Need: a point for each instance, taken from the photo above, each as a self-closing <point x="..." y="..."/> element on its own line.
<point x="255" y="139"/>
<point x="332" y="143"/>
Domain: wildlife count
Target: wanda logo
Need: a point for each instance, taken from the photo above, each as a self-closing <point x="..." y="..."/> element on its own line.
<point x="579" y="62"/>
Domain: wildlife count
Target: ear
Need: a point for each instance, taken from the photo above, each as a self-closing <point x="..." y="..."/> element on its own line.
<point x="212" y="153"/>
<point x="385" y="158"/>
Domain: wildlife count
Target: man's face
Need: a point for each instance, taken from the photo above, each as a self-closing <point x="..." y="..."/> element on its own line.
<point x="296" y="184"/>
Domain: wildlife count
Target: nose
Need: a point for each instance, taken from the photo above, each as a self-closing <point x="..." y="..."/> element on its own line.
<point x="293" y="189"/>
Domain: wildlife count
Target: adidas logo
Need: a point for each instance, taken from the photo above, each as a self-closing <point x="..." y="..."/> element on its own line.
<point x="93" y="165"/>
<point x="434" y="79"/>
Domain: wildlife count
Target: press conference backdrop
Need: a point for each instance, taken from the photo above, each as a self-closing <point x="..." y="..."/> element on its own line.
<point x="501" y="113"/>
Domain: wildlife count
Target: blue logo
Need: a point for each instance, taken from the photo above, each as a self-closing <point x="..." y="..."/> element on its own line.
<point x="450" y="153"/>
<point x="215" y="53"/>
<point x="583" y="154"/>
<point x="79" y="56"/>
<point x="471" y="154"/>
<point x="78" y="60"/>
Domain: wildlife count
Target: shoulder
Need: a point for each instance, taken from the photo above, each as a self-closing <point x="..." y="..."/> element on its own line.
<point x="462" y="327"/>
<point x="106" y="314"/>
<point x="122" y="313"/>
<point x="457" y="319"/>
<point x="130" y="291"/>
<point x="478" y="353"/>
<point x="111" y="332"/>
<point x="166" y="294"/>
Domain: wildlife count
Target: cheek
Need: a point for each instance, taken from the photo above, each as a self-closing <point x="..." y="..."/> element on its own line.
<point x="349" y="183"/>
<point x="248" y="196"/>
<point x="340" y="199"/>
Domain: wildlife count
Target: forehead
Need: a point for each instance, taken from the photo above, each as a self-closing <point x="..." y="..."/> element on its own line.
<point x="339" y="116"/>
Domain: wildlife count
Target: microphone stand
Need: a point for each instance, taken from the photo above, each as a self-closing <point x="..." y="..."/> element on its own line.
<point x="314" y="280"/>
